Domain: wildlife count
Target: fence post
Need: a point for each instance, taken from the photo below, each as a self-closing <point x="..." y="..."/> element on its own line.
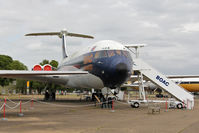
<point x="112" y="106"/>
<point x="4" y="110"/>
<point x="20" y="112"/>
<point x="31" y="104"/>
<point x="166" y="106"/>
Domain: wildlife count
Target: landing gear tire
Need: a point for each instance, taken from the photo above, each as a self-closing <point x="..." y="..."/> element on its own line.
<point x="135" y="105"/>
<point x="179" y="106"/>
<point x="114" y="99"/>
<point x="88" y="99"/>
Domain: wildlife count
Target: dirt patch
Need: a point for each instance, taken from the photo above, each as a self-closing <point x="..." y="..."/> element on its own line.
<point x="90" y="119"/>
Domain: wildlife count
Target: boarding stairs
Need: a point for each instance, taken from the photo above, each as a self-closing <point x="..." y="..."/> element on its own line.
<point x="163" y="82"/>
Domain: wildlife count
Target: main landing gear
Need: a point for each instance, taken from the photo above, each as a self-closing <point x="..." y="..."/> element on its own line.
<point x="49" y="94"/>
<point x="104" y="97"/>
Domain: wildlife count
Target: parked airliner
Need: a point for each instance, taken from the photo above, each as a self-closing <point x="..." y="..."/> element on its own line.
<point x="188" y="82"/>
<point x="104" y="64"/>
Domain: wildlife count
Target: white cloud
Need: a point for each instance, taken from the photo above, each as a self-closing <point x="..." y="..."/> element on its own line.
<point x="161" y="24"/>
<point x="149" y="24"/>
<point x="190" y="27"/>
<point x="120" y="4"/>
<point x="34" y="46"/>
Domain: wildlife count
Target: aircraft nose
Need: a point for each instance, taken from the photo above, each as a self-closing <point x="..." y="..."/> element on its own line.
<point x="119" y="75"/>
<point x="121" y="69"/>
<point x="114" y="71"/>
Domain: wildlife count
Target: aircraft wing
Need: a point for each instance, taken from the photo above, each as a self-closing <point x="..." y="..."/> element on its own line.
<point x="16" y="73"/>
<point x="59" y="77"/>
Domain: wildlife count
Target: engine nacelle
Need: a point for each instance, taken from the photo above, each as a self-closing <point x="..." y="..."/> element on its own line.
<point x="37" y="68"/>
<point x="47" y="67"/>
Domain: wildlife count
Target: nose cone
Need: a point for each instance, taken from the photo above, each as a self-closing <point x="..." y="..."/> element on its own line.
<point x="118" y="70"/>
<point x="114" y="70"/>
<point x="121" y="70"/>
<point x="120" y="74"/>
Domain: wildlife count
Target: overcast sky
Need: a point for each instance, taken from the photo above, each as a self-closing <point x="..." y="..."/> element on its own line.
<point x="169" y="27"/>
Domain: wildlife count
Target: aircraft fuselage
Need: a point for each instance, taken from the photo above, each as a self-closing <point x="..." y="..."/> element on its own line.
<point x="109" y="65"/>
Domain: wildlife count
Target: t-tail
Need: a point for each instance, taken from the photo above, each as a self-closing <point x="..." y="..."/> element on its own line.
<point x="62" y="34"/>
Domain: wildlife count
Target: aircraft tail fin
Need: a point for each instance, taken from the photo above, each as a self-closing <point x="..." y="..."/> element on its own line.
<point x="62" y="34"/>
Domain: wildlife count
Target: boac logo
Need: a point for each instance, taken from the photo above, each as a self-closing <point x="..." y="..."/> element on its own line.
<point x="162" y="80"/>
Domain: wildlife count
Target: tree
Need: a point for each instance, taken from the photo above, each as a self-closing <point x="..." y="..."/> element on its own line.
<point x="39" y="86"/>
<point x="44" y="62"/>
<point x="7" y="63"/>
<point x="21" y="86"/>
<point x="54" y="64"/>
<point x="16" y="65"/>
<point x="4" y="81"/>
<point x="4" y="63"/>
<point x="5" y="60"/>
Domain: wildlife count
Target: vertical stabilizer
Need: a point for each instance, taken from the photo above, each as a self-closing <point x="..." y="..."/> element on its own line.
<point x="64" y="52"/>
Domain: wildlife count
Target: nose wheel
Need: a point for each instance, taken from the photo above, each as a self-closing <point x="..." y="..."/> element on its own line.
<point x="104" y="102"/>
<point x="135" y="105"/>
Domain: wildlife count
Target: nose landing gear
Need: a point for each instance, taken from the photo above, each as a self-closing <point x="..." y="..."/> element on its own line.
<point x="105" y="97"/>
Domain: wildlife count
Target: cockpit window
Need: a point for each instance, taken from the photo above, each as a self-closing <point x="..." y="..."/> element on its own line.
<point x="118" y="52"/>
<point x="102" y="54"/>
<point x="110" y="53"/>
<point x="126" y="54"/>
<point x="97" y="55"/>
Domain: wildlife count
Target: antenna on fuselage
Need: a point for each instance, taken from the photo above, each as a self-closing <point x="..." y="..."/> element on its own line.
<point x="62" y="34"/>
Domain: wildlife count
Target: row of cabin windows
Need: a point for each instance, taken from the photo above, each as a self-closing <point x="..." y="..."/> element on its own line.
<point x="110" y="53"/>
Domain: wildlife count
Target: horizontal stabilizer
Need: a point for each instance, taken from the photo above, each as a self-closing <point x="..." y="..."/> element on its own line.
<point x="79" y="35"/>
<point x="60" y="34"/>
<point x="44" y="34"/>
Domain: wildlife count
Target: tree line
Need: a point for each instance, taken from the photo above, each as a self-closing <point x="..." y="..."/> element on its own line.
<point x="7" y="63"/>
